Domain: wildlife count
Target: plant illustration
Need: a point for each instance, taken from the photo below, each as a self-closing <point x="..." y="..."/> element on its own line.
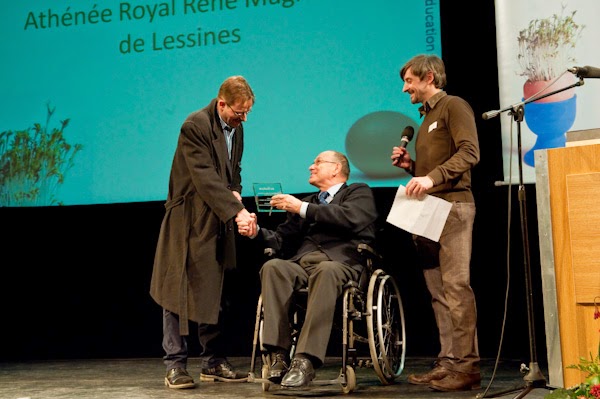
<point x="33" y="163"/>
<point x="546" y="46"/>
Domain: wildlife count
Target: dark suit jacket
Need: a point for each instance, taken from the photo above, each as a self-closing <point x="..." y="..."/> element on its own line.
<point x="336" y="229"/>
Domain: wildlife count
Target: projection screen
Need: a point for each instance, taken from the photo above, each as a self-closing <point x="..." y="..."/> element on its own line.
<point x="95" y="92"/>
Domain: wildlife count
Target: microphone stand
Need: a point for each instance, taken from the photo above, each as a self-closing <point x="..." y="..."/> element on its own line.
<point x="534" y="377"/>
<point x="494" y="113"/>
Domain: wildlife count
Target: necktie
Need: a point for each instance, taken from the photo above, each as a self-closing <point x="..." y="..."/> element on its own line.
<point x="323" y="197"/>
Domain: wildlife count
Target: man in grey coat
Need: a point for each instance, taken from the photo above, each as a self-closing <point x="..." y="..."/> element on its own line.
<point x="196" y="243"/>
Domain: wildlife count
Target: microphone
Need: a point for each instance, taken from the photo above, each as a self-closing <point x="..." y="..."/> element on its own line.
<point x="407" y="135"/>
<point x="586" y="72"/>
<point x="490" y="114"/>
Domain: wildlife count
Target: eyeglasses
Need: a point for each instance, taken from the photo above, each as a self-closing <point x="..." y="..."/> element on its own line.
<point x="320" y="161"/>
<point x="240" y="114"/>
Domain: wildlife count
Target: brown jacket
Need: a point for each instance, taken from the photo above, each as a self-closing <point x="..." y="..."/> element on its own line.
<point x="196" y="242"/>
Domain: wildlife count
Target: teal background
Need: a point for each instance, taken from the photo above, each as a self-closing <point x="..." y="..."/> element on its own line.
<point x="316" y="67"/>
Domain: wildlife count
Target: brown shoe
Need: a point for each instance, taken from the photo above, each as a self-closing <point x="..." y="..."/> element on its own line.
<point x="179" y="378"/>
<point x="437" y="373"/>
<point x="457" y="382"/>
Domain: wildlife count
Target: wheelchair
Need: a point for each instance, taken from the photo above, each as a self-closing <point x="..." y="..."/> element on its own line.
<point x="376" y="301"/>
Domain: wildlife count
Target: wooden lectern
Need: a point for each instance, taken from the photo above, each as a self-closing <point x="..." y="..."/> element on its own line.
<point x="568" y="204"/>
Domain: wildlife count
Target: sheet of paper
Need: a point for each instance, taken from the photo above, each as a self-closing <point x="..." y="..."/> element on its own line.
<point x="425" y="216"/>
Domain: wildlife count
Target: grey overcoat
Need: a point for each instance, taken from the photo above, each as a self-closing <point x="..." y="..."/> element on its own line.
<point x="196" y="242"/>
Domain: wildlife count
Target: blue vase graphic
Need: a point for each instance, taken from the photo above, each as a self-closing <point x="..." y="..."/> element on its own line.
<point x="549" y="121"/>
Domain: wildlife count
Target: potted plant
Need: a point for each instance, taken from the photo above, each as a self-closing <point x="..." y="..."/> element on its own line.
<point x="590" y="387"/>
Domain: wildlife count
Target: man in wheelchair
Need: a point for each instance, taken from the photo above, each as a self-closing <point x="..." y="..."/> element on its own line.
<point x="316" y="248"/>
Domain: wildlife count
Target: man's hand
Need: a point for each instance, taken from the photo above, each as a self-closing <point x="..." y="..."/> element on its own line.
<point x="417" y="186"/>
<point x="286" y="202"/>
<point x="237" y="195"/>
<point x="246" y="223"/>
<point x="400" y="157"/>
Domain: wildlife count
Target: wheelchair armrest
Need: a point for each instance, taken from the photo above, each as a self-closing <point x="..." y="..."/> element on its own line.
<point x="369" y="252"/>
<point x="364" y="249"/>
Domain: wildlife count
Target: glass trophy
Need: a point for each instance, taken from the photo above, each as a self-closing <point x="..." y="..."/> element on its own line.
<point x="262" y="195"/>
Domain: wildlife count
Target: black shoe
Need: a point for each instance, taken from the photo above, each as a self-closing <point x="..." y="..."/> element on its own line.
<point x="179" y="378"/>
<point x="223" y="372"/>
<point x="300" y="374"/>
<point x="279" y="366"/>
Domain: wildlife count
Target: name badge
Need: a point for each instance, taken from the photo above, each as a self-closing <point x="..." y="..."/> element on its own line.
<point x="432" y="127"/>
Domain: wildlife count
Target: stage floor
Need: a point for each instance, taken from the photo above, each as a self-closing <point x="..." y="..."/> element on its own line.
<point x="144" y="379"/>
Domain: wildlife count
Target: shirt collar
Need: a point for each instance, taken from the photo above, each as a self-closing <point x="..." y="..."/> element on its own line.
<point x="430" y="104"/>
<point x="334" y="189"/>
<point x="225" y="125"/>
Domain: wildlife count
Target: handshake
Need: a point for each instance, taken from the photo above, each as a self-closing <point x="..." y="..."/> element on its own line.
<point x="247" y="222"/>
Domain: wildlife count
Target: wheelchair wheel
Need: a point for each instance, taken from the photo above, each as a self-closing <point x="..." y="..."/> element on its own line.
<point x="350" y="385"/>
<point x="386" y="329"/>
